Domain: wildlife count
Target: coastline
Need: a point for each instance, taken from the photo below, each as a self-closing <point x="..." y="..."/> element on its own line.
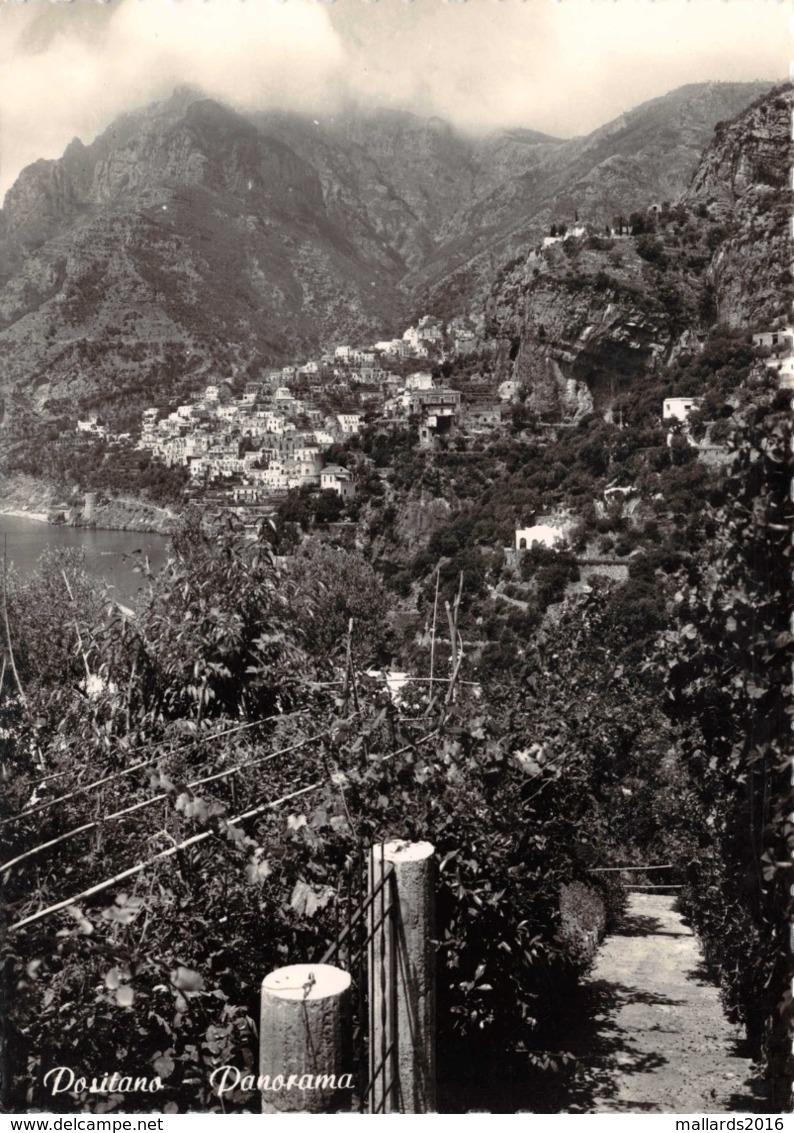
<point x="19" y="513"/>
<point x="25" y="497"/>
<point x="118" y="517"/>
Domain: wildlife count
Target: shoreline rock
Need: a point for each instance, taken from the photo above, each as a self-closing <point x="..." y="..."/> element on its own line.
<point x="126" y="515"/>
<point x="28" y="498"/>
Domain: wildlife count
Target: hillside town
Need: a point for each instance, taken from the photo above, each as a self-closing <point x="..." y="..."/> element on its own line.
<point x="244" y="448"/>
<point x="273" y="434"/>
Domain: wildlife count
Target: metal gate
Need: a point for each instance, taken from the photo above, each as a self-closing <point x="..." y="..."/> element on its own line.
<point x="365" y="935"/>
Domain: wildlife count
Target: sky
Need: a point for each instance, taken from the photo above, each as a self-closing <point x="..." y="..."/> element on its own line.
<point x="69" y="67"/>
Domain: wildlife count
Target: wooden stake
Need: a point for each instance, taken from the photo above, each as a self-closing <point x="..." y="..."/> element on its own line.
<point x="20" y="689"/>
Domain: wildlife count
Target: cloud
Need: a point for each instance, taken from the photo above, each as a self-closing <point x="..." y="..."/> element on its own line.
<point x="69" y="69"/>
<point x="563" y="67"/>
<point x="66" y="75"/>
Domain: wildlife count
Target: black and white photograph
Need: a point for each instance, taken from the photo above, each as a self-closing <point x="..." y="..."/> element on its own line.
<point x="396" y="521"/>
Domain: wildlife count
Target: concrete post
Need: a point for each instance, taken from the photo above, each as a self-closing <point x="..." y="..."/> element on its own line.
<point x="402" y="994"/>
<point x="305" y="1049"/>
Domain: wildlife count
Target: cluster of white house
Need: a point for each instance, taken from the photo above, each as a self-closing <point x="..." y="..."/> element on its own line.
<point x="252" y="438"/>
<point x="270" y="439"/>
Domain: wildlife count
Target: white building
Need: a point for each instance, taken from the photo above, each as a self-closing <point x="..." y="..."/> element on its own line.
<point x="785" y="369"/>
<point x="780" y="341"/>
<point x="337" y="479"/>
<point x="465" y="341"/>
<point x="430" y="329"/>
<point x="679" y="408"/>
<point x="276" y="476"/>
<point x="540" y="535"/>
<point x="349" y="423"/>
<point x="90" y="426"/>
<point x="226" y="412"/>
<point x="421" y="380"/>
<point x="395" y="348"/>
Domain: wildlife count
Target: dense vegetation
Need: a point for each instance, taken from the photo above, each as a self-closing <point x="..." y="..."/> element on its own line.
<point x="728" y="662"/>
<point x="77" y="463"/>
<point x="631" y="488"/>
<point x="215" y="762"/>
<point x="181" y="708"/>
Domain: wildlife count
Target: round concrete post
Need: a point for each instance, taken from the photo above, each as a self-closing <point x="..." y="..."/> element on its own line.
<point x="305" y="1056"/>
<point x="402" y="980"/>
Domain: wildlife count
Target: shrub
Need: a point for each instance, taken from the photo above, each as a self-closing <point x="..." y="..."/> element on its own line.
<point x="726" y="663"/>
<point x="615" y="897"/>
<point x="651" y="250"/>
<point x="583" y="922"/>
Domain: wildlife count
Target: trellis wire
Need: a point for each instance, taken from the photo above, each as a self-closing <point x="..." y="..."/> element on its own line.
<point x="133" y="870"/>
<point x="154" y="799"/>
<point x="189" y="842"/>
<point x="145" y="763"/>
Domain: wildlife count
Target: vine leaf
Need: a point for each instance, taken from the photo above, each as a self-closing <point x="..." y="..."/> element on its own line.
<point x="185" y="979"/>
<point x="306" y="900"/>
<point x="163" y="1065"/>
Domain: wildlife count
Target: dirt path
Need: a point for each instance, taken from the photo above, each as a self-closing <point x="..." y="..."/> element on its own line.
<point x="653" y="1037"/>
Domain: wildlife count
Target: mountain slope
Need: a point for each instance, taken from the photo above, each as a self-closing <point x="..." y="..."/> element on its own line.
<point x="190" y="240"/>
<point x="589" y="319"/>
<point x="180" y="245"/>
<point x="646" y="156"/>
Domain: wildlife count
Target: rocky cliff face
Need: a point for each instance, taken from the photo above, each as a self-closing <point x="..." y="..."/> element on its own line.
<point x="743" y="183"/>
<point x="189" y="240"/>
<point x="583" y="324"/>
<point x="588" y="318"/>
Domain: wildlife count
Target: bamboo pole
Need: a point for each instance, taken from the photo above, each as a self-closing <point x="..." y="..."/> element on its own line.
<point x="147" y="762"/>
<point x="133" y="870"/>
<point x="190" y="842"/>
<point x="18" y="682"/>
<point x="142" y="805"/>
<point x="77" y="630"/>
<point x="621" y="868"/>
<point x="433" y="631"/>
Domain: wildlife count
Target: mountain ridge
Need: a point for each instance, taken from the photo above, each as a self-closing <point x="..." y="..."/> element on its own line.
<point x="586" y="320"/>
<point x="188" y="239"/>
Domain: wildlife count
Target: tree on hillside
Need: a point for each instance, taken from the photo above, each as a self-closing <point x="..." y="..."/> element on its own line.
<point x="331" y="587"/>
<point x="727" y="664"/>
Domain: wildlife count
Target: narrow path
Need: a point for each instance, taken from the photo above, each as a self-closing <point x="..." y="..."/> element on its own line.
<point x="653" y="1038"/>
